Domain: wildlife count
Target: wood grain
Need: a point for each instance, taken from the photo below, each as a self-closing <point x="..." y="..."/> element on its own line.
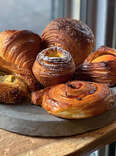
<point x="12" y="144"/>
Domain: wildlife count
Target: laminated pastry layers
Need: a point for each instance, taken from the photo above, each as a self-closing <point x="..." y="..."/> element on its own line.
<point x="100" y="66"/>
<point x="53" y="65"/>
<point x="71" y="35"/>
<point x="78" y="99"/>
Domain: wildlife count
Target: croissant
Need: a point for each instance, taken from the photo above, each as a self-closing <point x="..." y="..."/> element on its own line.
<point x="12" y="89"/>
<point x="78" y="99"/>
<point x="100" y="66"/>
<point x="18" y="50"/>
<point x="71" y="35"/>
<point x="24" y="74"/>
<point x="52" y="66"/>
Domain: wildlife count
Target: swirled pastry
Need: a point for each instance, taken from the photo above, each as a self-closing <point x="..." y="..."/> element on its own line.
<point x="18" y="50"/>
<point x="12" y="89"/>
<point x="100" y="66"/>
<point x="78" y="99"/>
<point x="53" y="65"/>
<point x="72" y="35"/>
<point x="37" y="96"/>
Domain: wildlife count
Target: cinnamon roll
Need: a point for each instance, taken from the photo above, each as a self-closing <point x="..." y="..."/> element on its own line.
<point x="78" y="99"/>
<point x="71" y="35"/>
<point x="100" y="66"/>
<point x="53" y="65"/>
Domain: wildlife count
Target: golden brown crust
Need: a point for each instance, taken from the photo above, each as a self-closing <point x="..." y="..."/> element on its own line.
<point x="18" y="50"/>
<point x="72" y="35"/>
<point x="19" y="47"/>
<point x="12" y="89"/>
<point x="25" y="74"/>
<point x="100" y="66"/>
<point x="53" y="65"/>
<point x="78" y="99"/>
<point x="37" y="96"/>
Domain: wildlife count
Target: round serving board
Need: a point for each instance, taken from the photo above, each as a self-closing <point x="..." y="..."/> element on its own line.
<point x="28" y="119"/>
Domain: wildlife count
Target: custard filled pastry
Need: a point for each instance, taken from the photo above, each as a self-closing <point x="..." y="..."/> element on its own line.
<point x="18" y="50"/>
<point x="71" y="35"/>
<point x="78" y="99"/>
<point x="100" y="66"/>
<point x="12" y="89"/>
<point x="52" y="66"/>
<point x="25" y="74"/>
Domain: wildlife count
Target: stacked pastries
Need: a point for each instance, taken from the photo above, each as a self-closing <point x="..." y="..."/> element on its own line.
<point x="68" y="44"/>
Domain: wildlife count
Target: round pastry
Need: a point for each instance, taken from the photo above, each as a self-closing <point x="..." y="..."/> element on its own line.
<point x="53" y="65"/>
<point x="72" y="35"/>
<point x="12" y="89"/>
<point x="100" y="66"/>
<point x="78" y="99"/>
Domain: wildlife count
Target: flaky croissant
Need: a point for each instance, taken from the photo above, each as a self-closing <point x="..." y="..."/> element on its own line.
<point x="78" y="99"/>
<point x="100" y="66"/>
<point x="18" y="50"/>
<point x="71" y="35"/>
<point x="53" y="66"/>
<point x="12" y="89"/>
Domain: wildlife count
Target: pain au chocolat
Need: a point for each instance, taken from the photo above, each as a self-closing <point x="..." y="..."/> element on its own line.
<point x="78" y="99"/>
<point x="12" y="89"/>
<point x="71" y="35"/>
<point x="53" y="65"/>
<point x="100" y="66"/>
<point x="18" y="50"/>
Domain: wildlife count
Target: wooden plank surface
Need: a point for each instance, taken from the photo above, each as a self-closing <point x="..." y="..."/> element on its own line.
<point x="12" y="144"/>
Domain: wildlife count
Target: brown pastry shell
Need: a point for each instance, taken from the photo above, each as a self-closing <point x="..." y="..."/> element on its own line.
<point x="50" y="69"/>
<point x="72" y="35"/>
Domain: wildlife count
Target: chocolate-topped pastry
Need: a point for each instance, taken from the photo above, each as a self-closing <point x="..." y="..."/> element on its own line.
<point x="70" y="34"/>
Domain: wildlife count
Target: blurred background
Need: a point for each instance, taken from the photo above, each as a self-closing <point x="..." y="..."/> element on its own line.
<point x="99" y="15"/>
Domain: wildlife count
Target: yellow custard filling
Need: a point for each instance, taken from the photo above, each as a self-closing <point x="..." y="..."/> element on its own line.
<point x="54" y="54"/>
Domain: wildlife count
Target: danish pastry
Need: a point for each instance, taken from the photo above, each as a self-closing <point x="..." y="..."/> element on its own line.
<point x="52" y="66"/>
<point x="78" y="99"/>
<point x="100" y="66"/>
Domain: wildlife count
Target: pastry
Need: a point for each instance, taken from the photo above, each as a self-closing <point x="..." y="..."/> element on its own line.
<point x="19" y="47"/>
<point x="25" y="74"/>
<point x="12" y="89"/>
<point x="78" y="99"/>
<point x="71" y="35"/>
<point x="52" y="66"/>
<point x="37" y="96"/>
<point x="18" y="50"/>
<point x="100" y="66"/>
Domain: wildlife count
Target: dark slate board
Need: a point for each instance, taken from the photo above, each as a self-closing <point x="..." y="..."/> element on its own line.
<point x="28" y="119"/>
